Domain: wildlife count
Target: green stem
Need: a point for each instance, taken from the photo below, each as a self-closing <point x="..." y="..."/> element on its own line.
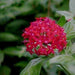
<point x="48" y="7"/>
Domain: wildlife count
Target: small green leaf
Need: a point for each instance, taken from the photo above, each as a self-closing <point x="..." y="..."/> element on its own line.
<point x="1" y="57"/>
<point x="67" y="62"/>
<point x="33" y="68"/>
<point x="61" y="21"/>
<point x="4" y="70"/>
<point x="7" y="37"/>
<point x="21" y="64"/>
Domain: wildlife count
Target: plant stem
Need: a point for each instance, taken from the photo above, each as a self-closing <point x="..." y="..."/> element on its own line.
<point x="49" y="2"/>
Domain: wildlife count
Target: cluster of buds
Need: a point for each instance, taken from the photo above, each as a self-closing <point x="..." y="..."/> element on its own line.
<point x="44" y="36"/>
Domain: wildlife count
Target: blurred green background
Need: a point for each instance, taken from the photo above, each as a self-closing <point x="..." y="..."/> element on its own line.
<point x="15" y="15"/>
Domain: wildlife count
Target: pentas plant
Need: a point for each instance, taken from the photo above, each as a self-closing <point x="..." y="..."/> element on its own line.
<point x="44" y="37"/>
<point x="52" y="43"/>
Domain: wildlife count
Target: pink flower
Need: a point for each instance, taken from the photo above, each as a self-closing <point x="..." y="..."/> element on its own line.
<point x="43" y="36"/>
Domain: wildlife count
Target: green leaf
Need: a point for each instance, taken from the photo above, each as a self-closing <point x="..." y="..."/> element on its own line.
<point x="50" y="69"/>
<point x="66" y="62"/>
<point x="67" y="14"/>
<point x="64" y="6"/>
<point x="17" y="51"/>
<point x="33" y="68"/>
<point x="72" y="49"/>
<point x="7" y="37"/>
<point x="68" y="49"/>
<point x="1" y="57"/>
<point x="71" y="35"/>
<point x="17" y="25"/>
<point x="21" y="64"/>
<point x="61" y="21"/>
<point x="70" y="29"/>
<point x="4" y="70"/>
<point x="72" y="6"/>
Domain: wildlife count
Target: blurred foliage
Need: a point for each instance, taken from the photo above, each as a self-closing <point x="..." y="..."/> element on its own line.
<point x="4" y="70"/>
<point x="15" y="15"/>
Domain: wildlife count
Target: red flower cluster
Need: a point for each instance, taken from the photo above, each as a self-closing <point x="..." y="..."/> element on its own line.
<point x="44" y="36"/>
